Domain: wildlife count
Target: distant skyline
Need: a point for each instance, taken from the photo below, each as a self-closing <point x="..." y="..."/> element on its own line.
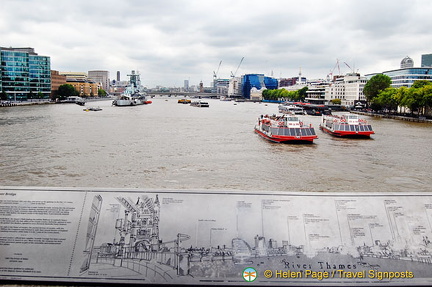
<point x="170" y="41"/>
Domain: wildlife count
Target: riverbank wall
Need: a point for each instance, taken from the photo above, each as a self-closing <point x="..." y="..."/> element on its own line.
<point x="45" y="102"/>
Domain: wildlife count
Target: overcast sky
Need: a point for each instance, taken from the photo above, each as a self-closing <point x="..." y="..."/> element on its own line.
<point x="169" y="41"/>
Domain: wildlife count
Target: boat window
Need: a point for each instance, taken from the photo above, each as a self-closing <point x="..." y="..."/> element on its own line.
<point x="290" y="132"/>
<point x="307" y="131"/>
<point x="352" y="128"/>
<point x="312" y="131"/>
<point x="361" y="128"/>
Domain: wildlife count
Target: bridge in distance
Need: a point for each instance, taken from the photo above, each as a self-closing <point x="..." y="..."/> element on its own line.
<point x="184" y="94"/>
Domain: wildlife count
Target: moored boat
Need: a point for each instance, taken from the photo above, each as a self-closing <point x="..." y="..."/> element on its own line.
<point x="74" y="99"/>
<point x="92" y="109"/>
<point x="346" y="126"/>
<point x="124" y="100"/>
<point x="200" y="104"/>
<point x="285" y="129"/>
<point x="140" y="99"/>
<point x="291" y="109"/>
<point x="133" y="94"/>
<point x="184" y="101"/>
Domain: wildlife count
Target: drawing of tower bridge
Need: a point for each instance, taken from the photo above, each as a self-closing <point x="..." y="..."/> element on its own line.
<point x="137" y="245"/>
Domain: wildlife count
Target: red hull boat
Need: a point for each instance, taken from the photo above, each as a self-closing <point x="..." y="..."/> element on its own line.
<point x="346" y="126"/>
<point x="285" y="129"/>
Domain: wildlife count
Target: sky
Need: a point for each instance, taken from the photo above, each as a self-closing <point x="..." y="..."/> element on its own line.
<point x="170" y="41"/>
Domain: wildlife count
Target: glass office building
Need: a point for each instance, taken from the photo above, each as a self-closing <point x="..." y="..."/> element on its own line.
<point x="426" y="60"/>
<point x="406" y="77"/>
<point x="257" y="81"/>
<point x="24" y="74"/>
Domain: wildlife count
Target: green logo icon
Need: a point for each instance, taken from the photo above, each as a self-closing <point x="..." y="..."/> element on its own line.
<point x="249" y="274"/>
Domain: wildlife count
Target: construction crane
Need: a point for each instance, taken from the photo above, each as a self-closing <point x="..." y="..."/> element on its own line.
<point x="233" y="75"/>
<point x="352" y="69"/>
<point x="217" y="71"/>
<point x="330" y="75"/>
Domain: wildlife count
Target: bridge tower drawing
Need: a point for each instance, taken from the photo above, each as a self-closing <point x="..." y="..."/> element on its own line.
<point x="139" y="229"/>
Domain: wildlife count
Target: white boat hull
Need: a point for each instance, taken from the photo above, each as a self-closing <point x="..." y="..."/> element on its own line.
<point x="123" y="103"/>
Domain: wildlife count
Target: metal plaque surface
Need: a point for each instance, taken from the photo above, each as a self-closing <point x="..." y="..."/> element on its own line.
<point x="214" y="237"/>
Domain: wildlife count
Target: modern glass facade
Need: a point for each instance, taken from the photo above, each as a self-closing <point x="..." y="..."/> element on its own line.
<point x="426" y="60"/>
<point x="24" y="74"/>
<point x="270" y="83"/>
<point x="40" y="75"/>
<point x="257" y="81"/>
<point x="406" y="77"/>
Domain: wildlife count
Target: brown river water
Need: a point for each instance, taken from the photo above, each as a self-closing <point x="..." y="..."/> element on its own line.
<point x="166" y="145"/>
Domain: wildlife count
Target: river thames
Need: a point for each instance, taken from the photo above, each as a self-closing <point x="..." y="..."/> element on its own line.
<point x="166" y="145"/>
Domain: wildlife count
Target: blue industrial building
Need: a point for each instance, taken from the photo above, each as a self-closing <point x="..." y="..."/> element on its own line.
<point x="257" y="81"/>
<point x="24" y="74"/>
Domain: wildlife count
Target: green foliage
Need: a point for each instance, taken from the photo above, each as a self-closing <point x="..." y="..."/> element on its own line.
<point x="386" y="99"/>
<point x="65" y="91"/>
<point x="427" y="94"/>
<point x="302" y="93"/>
<point x="102" y="93"/>
<point x="375" y="85"/>
<point x="285" y="95"/>
<point x="336" y="101"/>
<point x="420" y="84"/>
<point x="417" y="98"/>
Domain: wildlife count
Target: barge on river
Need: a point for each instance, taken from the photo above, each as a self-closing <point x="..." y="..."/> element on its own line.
<point x="346" y="126"/>
<point x="285" y="129"/>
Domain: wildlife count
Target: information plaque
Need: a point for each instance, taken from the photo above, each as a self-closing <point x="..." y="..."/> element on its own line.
<point x="214" y="237"/>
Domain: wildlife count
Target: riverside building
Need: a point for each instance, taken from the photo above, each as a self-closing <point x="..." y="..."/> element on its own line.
<point x="258" y="82"/>
<point x="349" y="89"/>
<point x="426" y="60"/>
<point x="56" y="81"/>
<point x="80" y="81"/>
<point x="24" y="74"/>
<point x="102" y="77"/>
<point x="407" y="74"/>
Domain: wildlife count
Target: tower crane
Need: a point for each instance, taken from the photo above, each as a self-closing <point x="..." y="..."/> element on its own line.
<point x="217" y="71"/>
<point x="233" y="75"/>
<point x="352" y="69"/>
<point x="331" y="71"/>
